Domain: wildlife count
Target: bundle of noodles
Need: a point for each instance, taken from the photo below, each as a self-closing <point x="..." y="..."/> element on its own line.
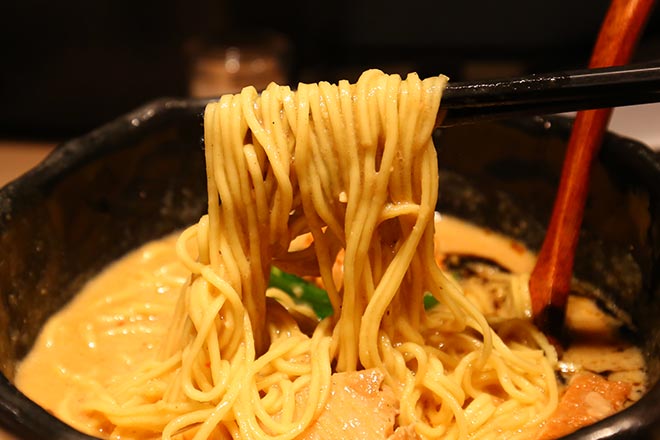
<point x="355" y="166"/>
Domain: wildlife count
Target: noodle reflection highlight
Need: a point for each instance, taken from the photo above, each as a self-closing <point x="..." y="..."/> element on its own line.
<point x="354" y="166"/>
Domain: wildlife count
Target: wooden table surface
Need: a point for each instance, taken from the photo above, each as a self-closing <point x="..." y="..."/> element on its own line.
<point x="16" y="157"/>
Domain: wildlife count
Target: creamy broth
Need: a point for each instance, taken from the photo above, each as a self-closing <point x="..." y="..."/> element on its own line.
<point x="119" y="319"/>
<point x="116" y="322"/>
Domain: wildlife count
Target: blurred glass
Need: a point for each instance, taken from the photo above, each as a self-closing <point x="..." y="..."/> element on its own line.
<point x="227" y="67"/>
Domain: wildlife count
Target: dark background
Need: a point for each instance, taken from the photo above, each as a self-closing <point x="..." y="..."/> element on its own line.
<point x="70" y="65"/>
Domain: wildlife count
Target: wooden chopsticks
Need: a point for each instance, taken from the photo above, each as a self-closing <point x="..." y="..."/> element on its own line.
<point x="551" y="278"/>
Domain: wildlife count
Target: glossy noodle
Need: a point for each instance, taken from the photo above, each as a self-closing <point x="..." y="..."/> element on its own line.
<point x="354" y="166"/>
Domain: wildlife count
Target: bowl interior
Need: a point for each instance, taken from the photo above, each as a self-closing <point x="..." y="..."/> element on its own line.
<point x="142" y="176"/>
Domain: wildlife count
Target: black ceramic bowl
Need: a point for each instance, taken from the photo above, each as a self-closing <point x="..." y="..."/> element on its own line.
<point x="142" y="176"/>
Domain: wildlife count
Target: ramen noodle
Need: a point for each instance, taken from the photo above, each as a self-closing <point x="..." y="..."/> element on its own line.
<point x="336" y="184"/>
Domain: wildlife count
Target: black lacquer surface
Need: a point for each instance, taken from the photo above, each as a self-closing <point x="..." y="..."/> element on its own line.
<point x="546" y="93"/>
